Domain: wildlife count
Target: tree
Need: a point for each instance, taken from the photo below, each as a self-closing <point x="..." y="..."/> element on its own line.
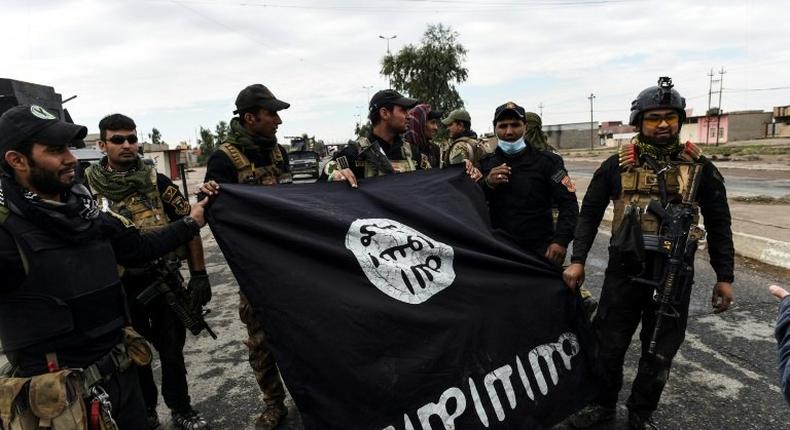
<point x="207" y="145"/>
<point x="221" y="131"/>
<point x="156" y="137"/>
<point x="362" y="130"/>
<point x="429" y="72"/>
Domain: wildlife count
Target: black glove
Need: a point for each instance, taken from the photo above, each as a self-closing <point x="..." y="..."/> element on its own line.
<point x="199" y="288"/>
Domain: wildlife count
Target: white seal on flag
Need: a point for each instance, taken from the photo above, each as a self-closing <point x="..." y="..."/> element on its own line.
<point x="400" y="261"/>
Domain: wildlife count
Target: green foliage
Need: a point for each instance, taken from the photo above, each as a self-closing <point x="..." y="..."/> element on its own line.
<point x="221" y="131"/>
<point x="430" y="71"/>
<point x="362" y="130"/>
<point x="156" y="137"/>
<point x="207" y="144"/>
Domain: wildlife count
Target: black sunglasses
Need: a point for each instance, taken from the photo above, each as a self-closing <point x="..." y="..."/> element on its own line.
<point x="119" y="139"/>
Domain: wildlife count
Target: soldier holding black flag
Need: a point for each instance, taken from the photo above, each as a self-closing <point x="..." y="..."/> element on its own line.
<point x="658" y="186"/>
<point x="62" y="307"/>
<point x="251" y="155"/>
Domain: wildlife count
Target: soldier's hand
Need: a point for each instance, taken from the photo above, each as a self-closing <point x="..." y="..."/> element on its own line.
<point x="472" y="171"/>
<point x="498" y="175"/>
<point x="573" y="275"/>
<point x="722" y="297"/>
<point x="198" y="210"/>
<point x="345" y="175"/>
<point x="556" y="253"/>
<point x="210" y="188"/>
<point x="199" y="288"/>
<point x="778" y="291"/>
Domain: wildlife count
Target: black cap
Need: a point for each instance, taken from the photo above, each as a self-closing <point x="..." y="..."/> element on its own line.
<point x="22" y="123"/>
<point x="435" y="114"/>
<point x="390" y="97"/>
<point x="509" y="107"/>
<point x="258" y="96"/>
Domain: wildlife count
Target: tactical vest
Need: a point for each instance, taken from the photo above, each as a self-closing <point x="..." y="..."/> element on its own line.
<point x="69" y="289"/>
<point x="371" y="170"/>
<point x="146" y="211"/>
<point x="472" y="148"/>
<point x="640" y="185"/>
<point x="248" y="173"/>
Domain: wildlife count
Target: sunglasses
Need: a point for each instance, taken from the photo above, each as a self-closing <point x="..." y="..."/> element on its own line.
<point x="655" y="121"/>
<point x="119" y="139"/>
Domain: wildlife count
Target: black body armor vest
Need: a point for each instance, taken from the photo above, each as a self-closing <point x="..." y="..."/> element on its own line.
<point x="71" y="290"/>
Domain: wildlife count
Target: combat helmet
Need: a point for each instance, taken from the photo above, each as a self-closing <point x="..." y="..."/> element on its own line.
<point x="662" y="96"/>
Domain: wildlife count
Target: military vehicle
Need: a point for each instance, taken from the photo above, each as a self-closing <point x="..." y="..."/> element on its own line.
<point x="14" y="93"/>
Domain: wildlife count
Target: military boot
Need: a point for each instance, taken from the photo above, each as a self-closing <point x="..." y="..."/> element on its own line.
<point x="641" y="422"/>
<point x="591" y="414"/>
<point x="189" y="419"/>
<point x="271" y="417"/>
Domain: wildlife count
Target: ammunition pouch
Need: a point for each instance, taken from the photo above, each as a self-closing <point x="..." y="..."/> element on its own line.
<point x="56" y="400"/>
<point x="627" y="242"/>
<point x="52" y="400"/>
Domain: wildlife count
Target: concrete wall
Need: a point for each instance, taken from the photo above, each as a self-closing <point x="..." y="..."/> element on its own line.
<point x="573" y="135"/>
<point x="779" y="129"/>
<point x="747" y="125"/>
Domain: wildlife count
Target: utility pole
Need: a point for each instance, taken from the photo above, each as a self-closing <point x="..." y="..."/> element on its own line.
<point x="592" y="129"/>
<point x="388" y="38"/>
<point x="540" y="107"/>
<point x="707" y="112"/>
<point x="718" y="110"/>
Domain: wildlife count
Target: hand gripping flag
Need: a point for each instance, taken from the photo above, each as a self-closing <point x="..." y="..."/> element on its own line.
<point x="395" y="307"/>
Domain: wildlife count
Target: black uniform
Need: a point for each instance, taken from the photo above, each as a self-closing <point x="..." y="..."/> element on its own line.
<point x="63" y="294"/>
<point x="624" y="303"/>
<point x="523" y="206"/>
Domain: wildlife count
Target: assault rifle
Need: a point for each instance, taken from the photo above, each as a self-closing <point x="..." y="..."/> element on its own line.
<point x="679" y="242"/>
<point x="169" y="285"/>
<point x="373" y="154"/>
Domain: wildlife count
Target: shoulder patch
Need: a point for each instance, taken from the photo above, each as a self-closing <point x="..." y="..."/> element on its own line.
<point x="561" y="177"/>
<point x="170" y="193"/>
<point x="181" y="205"/>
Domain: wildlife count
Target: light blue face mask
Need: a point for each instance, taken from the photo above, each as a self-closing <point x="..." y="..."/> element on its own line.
<point x="511" y="148"/>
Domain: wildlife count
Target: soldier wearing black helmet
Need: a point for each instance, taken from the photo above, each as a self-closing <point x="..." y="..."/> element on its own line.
<point x="656" y="167"/>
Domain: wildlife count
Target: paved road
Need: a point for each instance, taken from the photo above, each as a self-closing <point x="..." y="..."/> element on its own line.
<point x="741" y="181"/>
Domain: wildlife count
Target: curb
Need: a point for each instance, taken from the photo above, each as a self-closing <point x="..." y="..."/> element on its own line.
<point x="765" y="250"/>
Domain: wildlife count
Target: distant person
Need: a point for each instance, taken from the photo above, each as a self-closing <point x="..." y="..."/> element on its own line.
<point x="782" y="334"/>
<point x="464" y="144"/>
<point x="534" y="133"/>
<point x="422" y="129"/>
<point x="251" y="155"/>
<point x="649" y="169"/>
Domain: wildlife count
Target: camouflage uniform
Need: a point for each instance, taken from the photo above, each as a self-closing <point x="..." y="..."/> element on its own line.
<point x="238" y="160"/>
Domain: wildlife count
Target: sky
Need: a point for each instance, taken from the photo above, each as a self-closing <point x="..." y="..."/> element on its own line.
<point x="178" y="65"/>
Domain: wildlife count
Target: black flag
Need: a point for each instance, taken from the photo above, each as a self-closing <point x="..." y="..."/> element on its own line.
<point x="395" y="307"/>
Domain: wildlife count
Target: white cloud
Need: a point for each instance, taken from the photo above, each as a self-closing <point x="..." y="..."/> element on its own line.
<point x="178" y="65"/>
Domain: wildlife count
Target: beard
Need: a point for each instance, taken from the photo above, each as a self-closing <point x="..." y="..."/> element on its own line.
<point x="47" y="182"/>
<point x="660" y="141"/>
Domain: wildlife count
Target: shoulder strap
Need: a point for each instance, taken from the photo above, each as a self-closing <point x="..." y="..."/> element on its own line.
<point x="4" y="212"/>
<point x="240" y="161"/>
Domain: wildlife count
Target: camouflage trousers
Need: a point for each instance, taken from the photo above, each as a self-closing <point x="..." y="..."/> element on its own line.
<point x="261" y="357"/>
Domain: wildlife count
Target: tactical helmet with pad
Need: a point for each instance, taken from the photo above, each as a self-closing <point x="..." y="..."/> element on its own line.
<point x="662" y="96"/>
